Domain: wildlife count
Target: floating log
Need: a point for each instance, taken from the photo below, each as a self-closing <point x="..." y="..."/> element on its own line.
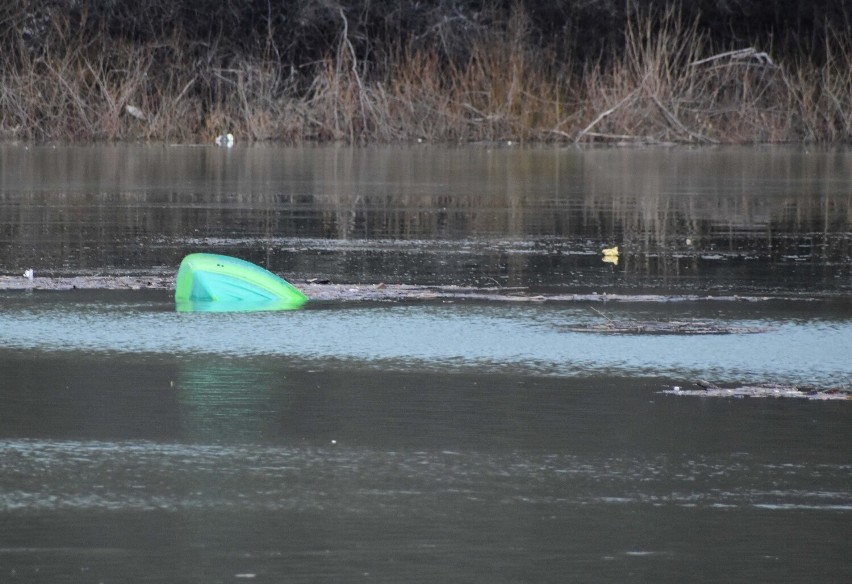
<point x="672" y="327"/>
<point x="689" y="327"/>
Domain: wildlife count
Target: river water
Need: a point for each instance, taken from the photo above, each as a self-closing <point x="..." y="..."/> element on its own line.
<point x="427" y="440"/>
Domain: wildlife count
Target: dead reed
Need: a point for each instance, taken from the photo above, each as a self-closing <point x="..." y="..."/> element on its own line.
<point x="671" y="86"/>
<point x="665" y="83"/>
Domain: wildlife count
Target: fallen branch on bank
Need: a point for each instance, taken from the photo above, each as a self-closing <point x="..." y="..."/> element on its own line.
<point x="623" y="138"/>
<point x="739" y="54"/>
<point x="603" y="115"/>
<point x="677" y="125"/>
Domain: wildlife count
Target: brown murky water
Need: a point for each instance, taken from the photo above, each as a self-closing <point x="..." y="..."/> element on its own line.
<point x="442" y="439"/>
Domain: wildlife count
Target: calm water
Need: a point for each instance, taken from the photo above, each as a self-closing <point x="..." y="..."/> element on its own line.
<point x="428" y="441"/>
<point x="732" y="219"/>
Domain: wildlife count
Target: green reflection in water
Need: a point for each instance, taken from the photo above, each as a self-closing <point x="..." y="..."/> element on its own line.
<point x="226" y="400"/>
<point x="240" y="306"/>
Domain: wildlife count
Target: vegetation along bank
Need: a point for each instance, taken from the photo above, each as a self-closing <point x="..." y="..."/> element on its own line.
<point x="363" y="71"/>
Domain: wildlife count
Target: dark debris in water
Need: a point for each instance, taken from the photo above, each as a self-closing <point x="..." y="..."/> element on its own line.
<point x="323" y="290"/>
<point x="673" y="327"/>
<point x="87" y="283"/>
<point x="689" y="327"/>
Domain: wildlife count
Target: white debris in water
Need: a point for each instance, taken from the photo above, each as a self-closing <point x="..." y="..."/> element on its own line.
<point x="226" y="140"/>
<point x="765" y="391"/>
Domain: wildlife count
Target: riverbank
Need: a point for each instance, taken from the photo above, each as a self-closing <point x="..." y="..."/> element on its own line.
<point x="313" y="72"/>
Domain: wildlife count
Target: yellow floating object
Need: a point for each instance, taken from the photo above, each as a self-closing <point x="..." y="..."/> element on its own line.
<point x="611" y="251"/>
<point x="610" y="259"/>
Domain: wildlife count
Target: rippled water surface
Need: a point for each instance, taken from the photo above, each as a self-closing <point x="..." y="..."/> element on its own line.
<point x="443" y="440"/>
<point x="439" y="336"/>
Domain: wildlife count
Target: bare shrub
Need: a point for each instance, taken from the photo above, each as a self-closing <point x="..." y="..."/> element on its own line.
<point x="667" y="88"/>
<point x="388" y="71"/>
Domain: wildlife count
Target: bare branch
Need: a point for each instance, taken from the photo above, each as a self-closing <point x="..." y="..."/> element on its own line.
<point x="749" y="53"/>
<point x="670" y="117"/>
<point x="604" y="114"/>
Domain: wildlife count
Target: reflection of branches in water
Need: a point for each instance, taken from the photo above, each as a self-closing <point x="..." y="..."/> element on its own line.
<point x="667" y="208"/>
<point x="738" y="201"/>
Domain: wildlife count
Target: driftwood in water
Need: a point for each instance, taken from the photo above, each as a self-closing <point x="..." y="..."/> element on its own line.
<point x="672" y="327"/>
<point x="688" y="327"/>
<point x="707" y="389"/>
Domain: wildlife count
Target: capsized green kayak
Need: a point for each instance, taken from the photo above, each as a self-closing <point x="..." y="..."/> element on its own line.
<point x="219" y="283"/>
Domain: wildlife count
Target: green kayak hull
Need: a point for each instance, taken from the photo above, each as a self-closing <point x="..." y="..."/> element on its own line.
<point x="218" y="283"/>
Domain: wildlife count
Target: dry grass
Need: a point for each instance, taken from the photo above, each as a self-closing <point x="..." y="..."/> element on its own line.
<point x="667" y="83"/>
<point x="822" y="95"/>
<point x="671" y="86"/>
